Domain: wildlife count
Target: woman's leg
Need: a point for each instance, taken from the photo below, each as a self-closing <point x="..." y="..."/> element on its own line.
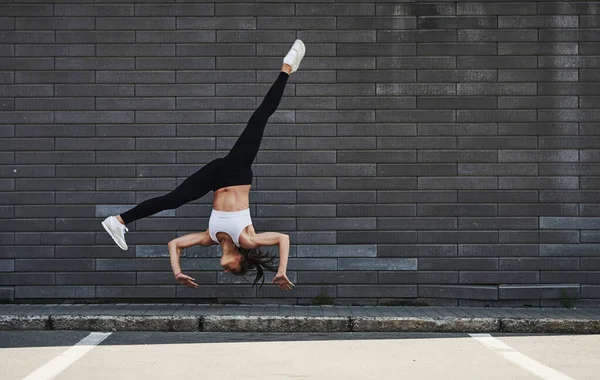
<point x="246" y="147"/>
<point x="194" y="187"/>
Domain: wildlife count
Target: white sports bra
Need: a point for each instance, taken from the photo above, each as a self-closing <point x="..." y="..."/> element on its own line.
<point x="230" y="222"/>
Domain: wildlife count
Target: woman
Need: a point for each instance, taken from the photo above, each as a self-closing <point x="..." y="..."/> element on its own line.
<point x="230" y="178"/>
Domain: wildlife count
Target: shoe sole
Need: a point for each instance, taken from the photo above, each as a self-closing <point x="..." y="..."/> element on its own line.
<point x="113" y="237"/>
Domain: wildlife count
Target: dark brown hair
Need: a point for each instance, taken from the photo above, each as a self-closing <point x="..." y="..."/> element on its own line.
<point x="256" y="259"/>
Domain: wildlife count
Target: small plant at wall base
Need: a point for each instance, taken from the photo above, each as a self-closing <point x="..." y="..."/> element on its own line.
<point x="322" y="300"/>
<point x="565" y="300"/>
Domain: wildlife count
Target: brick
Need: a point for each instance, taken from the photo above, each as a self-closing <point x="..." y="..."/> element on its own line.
<point x="456" y="102"/>
<point x="94" y="90"/>
<point x="111" y="117"/>
<point x="7" y="23"/>
<point x="416" y="63"/>
<point x="377" y="290"/>
<point x="26" y="37"/>
<point x="589" y="237"/>
<point x="440" y="129"/>
<point x="376" y="183"/>
<point x="569" y="35"/>
<point x="417" y="223"/>
<point x="215" y="49"/>
<point x="538" y="21"/>
<point x="136" y="23"/>
<point x="537" y="48"/>
<point x="95" y="36"/>
<point x="496" y="62"/>
<point x="499" y="277"/>
<point x="457" y="210"/>
<point x="25" y="251"/>
<point x="417" y="143"/>
<point x="27" y="63"/>
<point x="18" y="90"/>
<point x="52" y="265"/>
<point x="472" y="292"/>
<point x="588" y="88"/>
<point x="539" y="75"/>
<point x="150" y="291"/>
<point x="416" y="89"/>
<point x="377" y="237"/>
<point x="379" y="22"/>
<point x="497" y="169"/>
<point x="538" y="210"/>
<point x="496" y="142"/>
<point x="55" y="184"/>
<point x="480" y="264"/>
<point x="54" y="50"/>
<point x="447" y="35"/>
<point x="568" y="61"/>
<point x="572" y="196"/>
<point x="568" y="7"/>
<point x="254" y="9"/>
<point x="497" y="8"/>
<point x="437" y="76"/>
<point x="416" y="169"/>
<point x="55" y="104"/>
<point x="389" y="156"/>
<point x="332" y="10"/>
<point x="216" y="23"/>
<point x="94" y="63"/>
<point x="54" y="77"/>
<point x="374" y="49"/>
<point x="497" y="223"/>
<point x="254" y="36"/>
<point x="569" y="142"/>
<point x="332" y="116"/>
<point x="337" y="251"/>
<point x="297" y="157"/>
<point x="316" y="197"/>
<point x="420" y="250"/>
<point x="25" y="197"/>
<point x="456" y="22"/>
<point x="174" y="90"/>
<point x="135" y="104"/>
<point x="337" y="277"/>
<point x="495" y="115"/>
<point x="26" y="144"/>
<point x="415" y="196"/>
<point x="375" y="210"/>
<point x="7" y="265"/>
<point x="7" y="77"/>
<point x="93" y="10"/>
<point x="335" y="170"/>
<point x="569" y="223"/>
<point x="174" y="10"/>
<point x="55" y="23"/>
<point x="378" y="129"/>
<point x="415" y="116"/>
<point x="457" y="183"/>
<point x="588" y="21"/>
<point x="537" y="128"/>
<point x="443" y="49"/>
<point x="27" y="279"/>
<point x="179" y="36"/>
<point x="420" y="277"/>
<point x="135" y="50"/>
<point x="337" y="89"/>
<point x="247" y="89"/>
<point x="412" y="9"/>
<point x="54" y="157"/>
<point x="538" y="156"/>
<point x="497" y="35"/>
<point x="468" y="196"/>
<point x="53" y="292"/>
<point x="569" y="250"/>
<point x="26" y="171"/>
<point x="212" y="76"/>
<point x="457" y="156"/>
<point x="342" y="36"/>
<point x="26" y="10"/>
<point x="569" y="169"/>
<point x="538" y="183"/>
<point x="538" y="102"/>
<point x="377" y="264"/>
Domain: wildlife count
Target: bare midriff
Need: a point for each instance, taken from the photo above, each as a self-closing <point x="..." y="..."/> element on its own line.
<point x="232" y="198"/>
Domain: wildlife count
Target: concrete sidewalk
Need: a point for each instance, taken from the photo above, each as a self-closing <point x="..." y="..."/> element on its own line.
<point x="292" y="318"/>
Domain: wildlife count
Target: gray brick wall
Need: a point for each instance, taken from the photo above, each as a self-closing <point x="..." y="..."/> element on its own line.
<point x="442" y="152"/>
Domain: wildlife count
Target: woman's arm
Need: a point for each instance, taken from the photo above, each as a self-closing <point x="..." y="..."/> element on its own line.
<point x="275" y="238"/>
<point x="185" y="241"/>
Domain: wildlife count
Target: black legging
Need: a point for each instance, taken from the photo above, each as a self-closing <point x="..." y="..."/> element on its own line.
<point x="231" y="170"/>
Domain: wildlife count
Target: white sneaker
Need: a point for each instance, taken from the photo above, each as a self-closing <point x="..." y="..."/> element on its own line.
<point x="295" y="55"/>
<point x="116" y="230"/>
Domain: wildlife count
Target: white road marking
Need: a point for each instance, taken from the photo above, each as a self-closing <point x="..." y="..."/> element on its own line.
<point x="58" y="364"/>
<point x="519" y="359"/>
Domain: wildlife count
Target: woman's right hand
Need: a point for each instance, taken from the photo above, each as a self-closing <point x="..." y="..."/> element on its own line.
<point x="186" y="280"/>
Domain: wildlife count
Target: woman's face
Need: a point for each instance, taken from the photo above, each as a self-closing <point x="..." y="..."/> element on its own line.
<point x="231" y="263"/>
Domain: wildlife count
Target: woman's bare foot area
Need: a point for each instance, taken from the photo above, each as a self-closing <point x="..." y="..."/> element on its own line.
<point x="286" y="68"/>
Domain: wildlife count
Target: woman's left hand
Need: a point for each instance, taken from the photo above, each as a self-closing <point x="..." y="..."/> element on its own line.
<point x="283" y="282"/>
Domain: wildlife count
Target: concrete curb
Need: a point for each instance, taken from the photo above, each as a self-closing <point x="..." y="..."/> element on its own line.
<point x="215" y="323"/>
